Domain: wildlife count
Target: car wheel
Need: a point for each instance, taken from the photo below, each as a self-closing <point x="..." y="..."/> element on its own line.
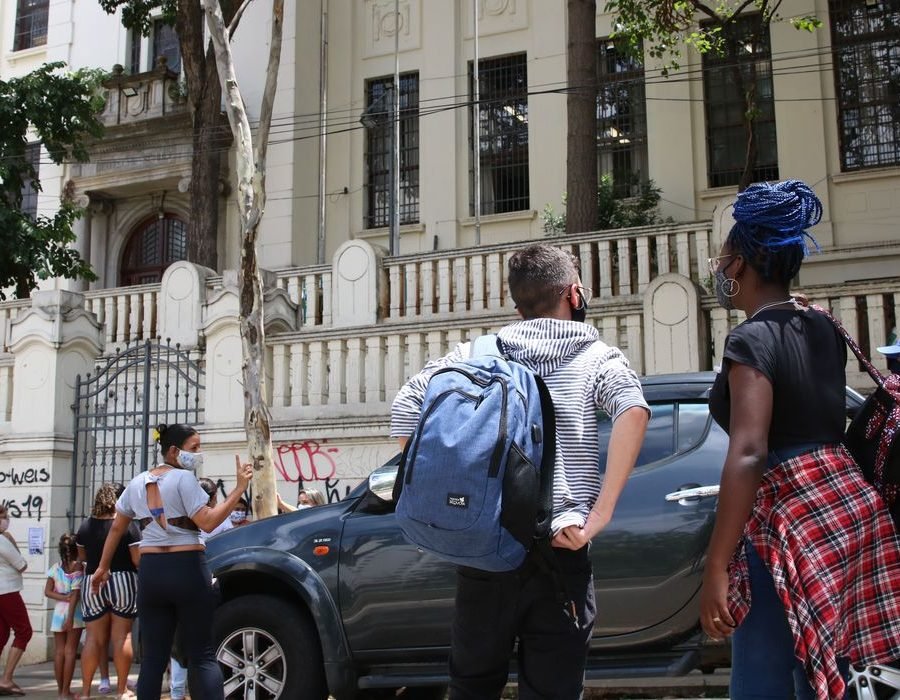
<point x="268" y="649"/>
<point x="874" y="682"/>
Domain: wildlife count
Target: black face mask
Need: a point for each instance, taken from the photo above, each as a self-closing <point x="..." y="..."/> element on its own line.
<point x="580" y="314"/>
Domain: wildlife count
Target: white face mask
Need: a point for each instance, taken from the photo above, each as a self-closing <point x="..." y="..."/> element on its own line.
<point x="301" y="506"/>
<point x="237" y="516"/>
<point x="192" y="461"/>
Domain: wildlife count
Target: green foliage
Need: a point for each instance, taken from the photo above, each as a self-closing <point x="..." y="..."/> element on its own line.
<point x="613" y="211"/>
<point x="140" y="14"/>
<point x="61" y="110"/>
<point x="662" y="27"/>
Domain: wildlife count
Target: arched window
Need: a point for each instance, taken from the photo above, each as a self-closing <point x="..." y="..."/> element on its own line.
<point x="154" y="245"/>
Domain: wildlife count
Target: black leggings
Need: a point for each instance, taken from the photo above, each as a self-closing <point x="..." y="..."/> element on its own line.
<point x="175" y="590"/>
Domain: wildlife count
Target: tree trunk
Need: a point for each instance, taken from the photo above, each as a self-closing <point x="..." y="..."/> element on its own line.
<point x="251" y="198"/>
<point x="581" y="117"/>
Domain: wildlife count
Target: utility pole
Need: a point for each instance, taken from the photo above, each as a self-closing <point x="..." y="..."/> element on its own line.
<point x="476" y="132"/>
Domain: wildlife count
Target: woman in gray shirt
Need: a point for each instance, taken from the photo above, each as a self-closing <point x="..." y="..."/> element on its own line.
<point x="174" y="583"/>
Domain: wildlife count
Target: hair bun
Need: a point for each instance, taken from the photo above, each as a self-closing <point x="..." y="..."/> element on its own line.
<point x="786" y="207"/>
<point x="162" y="428"/>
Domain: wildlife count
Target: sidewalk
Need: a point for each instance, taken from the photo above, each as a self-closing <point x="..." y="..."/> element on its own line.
<point x="38" y="682"/>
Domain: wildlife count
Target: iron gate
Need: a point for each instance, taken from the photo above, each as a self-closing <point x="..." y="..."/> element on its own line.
<point x="145" y="384"/>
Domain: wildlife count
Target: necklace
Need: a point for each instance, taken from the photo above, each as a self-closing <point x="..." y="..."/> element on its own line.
<point x="770" y="305"/>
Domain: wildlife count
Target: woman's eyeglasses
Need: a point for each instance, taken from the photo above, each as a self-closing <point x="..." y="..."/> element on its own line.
<point x="713" y="263"/>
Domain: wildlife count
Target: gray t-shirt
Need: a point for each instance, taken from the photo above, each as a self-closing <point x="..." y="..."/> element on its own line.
<point x="181" y="496"/>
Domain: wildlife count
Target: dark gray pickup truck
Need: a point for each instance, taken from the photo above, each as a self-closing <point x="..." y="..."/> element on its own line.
<point x="334" y="600"/>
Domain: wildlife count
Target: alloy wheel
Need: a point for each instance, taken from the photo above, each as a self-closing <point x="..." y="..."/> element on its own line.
<point x="874" y="683"/>
<point x="253" y="664"/>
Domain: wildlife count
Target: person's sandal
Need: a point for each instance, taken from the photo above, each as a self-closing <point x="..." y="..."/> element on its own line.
<point x="104" y="687"/>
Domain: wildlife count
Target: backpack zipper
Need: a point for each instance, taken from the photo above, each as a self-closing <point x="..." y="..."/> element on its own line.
<point x="437" y="402"/>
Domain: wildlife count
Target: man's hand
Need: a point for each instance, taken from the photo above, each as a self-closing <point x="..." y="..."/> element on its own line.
<point x="574" y="537"/>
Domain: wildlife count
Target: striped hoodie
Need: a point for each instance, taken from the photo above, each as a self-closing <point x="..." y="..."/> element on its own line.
<point x="584" y="376"/>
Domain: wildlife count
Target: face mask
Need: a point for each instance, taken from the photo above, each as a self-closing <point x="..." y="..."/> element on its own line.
<point x="580" y="314"/>
<point x="192" y="461"/>
<point x="725" y="301"/>
<point x="237" y="516"/>
<point x="301" y="506"/>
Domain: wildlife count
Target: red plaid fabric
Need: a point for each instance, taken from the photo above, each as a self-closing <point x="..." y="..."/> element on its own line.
<point x="828" y="540"/>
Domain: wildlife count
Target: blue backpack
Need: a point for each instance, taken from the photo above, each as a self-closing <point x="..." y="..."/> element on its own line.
<point x="475" y="483"/>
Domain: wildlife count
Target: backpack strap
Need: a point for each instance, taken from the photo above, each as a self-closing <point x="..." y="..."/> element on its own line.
<point x="485" y="345"/>
<point x="853" y="345"/>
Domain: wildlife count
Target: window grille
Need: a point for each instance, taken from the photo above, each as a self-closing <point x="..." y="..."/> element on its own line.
<point x="746" y="58"/>
<point x="379" y="156"/>
<point x="29" y="193"/>
<point x="165" y="43"/>
<point x="621" y="119"/>
<point x="31" y="24"/>
<point x="154" y="245"/>
<point x="865" y="39"/>
<point x="502" y="135"/>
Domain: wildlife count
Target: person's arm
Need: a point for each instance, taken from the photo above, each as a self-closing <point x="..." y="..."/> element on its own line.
<point x="284" y="506"/>
<point x="73" y="599"/>
<point x="10" y="552"/>
<point x="119" y="526"/>
<point x="82" y="553"/>
<point x="135" y="551"/>
<point x="50" y="591"/>
<point x="625" y="442"/>
<point x="206" y="518"/>
<point x="745" y="463"/>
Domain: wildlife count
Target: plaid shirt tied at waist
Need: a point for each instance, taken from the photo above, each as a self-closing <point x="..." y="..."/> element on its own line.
<point x="829" y="542"/>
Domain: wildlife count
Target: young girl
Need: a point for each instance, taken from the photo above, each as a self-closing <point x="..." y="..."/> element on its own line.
<point x="64" y="586"/>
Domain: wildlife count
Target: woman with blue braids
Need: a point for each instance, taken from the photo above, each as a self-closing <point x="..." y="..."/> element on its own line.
<point x="803" y="567"/>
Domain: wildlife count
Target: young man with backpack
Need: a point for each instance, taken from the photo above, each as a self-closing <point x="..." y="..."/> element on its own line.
<point x="584" y="376"/>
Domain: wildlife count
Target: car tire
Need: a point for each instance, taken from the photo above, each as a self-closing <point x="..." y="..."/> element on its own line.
<point x="280" y="634"/>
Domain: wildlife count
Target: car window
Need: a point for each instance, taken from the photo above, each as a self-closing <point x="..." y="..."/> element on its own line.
<point x="692" y="420"/>
<point x="659" y="441"/>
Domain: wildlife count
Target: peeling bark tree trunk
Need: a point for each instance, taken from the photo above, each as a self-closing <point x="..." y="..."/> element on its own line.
<point x="251" y="198"/>
<point x="581" y="116"/>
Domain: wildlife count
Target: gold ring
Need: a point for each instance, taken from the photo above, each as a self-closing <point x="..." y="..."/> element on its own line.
<point x="717" y="619"/>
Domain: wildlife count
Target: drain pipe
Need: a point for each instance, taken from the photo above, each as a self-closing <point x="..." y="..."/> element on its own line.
<point x="323" y="126"/>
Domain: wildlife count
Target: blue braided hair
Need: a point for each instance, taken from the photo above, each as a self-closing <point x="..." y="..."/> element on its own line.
<point x="770" y="229"/>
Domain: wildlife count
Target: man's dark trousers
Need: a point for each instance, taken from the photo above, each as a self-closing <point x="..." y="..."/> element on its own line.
<point x="495" y="609"/>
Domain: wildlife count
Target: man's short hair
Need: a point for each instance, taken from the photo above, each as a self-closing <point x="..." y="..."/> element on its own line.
<point x="537" y="274"/>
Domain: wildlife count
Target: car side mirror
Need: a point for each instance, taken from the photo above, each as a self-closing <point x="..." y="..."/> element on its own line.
<point x="381" y="482"/>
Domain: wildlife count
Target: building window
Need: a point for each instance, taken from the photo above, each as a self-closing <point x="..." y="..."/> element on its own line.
<point x="29" y="193"/>
<point x="165" y="43"/>
<point x="745" y="64"/>
<point x="379" y="156"/>
<point x="621" y="119"/>
<point x="502" y="135"/>
<point x="154" y="245"/>
<point x="865" y="36"/>
<point x="31" y="24"/>
<point x="134" y="51"/>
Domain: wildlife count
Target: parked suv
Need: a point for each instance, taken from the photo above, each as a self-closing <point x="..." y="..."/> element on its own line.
<point x="334" y="600"/>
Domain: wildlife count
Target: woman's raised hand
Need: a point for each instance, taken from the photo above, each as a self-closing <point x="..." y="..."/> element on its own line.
<point x="244" y="472"/>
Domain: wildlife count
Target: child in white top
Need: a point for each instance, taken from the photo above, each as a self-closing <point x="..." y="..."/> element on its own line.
<point x="64" y="586"/>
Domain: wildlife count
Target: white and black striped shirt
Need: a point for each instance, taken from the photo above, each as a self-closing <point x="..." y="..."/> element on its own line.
<point x="583" y="374"/>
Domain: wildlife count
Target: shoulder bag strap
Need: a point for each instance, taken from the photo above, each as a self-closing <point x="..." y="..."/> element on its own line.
<point x="852" y="344"/>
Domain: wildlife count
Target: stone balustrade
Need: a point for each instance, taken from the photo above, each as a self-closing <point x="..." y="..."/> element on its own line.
<point x="7" y="363"/>
<point x="8" y="311"/>
<point x="127" y="314"/>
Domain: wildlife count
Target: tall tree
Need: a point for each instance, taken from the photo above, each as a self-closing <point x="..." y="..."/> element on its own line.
<point x="661" y="27"/>
<point x="581" y="116"/>
<point x="204" y="94"/>
<point x="251" y="200"/>
<point x="62" y="110"/>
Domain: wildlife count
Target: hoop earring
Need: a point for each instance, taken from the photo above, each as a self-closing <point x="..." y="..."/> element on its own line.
<point x="731" y="287"/>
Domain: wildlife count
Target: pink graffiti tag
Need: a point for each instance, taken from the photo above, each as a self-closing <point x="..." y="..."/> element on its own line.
<point x="305" y="461"/>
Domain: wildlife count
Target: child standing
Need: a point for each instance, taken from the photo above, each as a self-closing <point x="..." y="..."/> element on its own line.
<point x="64" y="586"/>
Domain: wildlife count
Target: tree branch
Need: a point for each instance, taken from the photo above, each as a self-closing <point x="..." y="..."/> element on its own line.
<point x="237" y="17"/>
<point x="268" y="98"/>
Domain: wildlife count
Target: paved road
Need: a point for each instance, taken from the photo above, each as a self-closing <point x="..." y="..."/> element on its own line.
<point x="38" y="682"/>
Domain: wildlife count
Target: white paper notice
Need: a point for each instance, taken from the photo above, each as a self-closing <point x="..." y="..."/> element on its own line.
<point x="35" y="540"/>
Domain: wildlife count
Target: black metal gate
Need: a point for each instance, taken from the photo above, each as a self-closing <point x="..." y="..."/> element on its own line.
<point x="145" y="384"/>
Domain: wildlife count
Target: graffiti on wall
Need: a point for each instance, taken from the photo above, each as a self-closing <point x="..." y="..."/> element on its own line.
<point x="308" y="460"/>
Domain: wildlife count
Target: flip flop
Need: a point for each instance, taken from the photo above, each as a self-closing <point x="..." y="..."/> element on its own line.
<point x="11" y="690"/>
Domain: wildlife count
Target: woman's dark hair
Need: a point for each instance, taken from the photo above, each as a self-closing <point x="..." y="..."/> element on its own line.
<point x="173" y="435"/>
<point x="105" y="500"/>
<point x="770" y="229"/>
<point x="245" y="503"/>
<point x="207" y="485"/>
<point x="68" y="551"/>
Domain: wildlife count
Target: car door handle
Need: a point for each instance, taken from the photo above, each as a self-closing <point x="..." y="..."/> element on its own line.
<point x="693" y="493"/>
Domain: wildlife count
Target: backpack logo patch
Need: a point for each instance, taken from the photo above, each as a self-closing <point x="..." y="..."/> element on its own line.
<point x="457" y="500"/>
